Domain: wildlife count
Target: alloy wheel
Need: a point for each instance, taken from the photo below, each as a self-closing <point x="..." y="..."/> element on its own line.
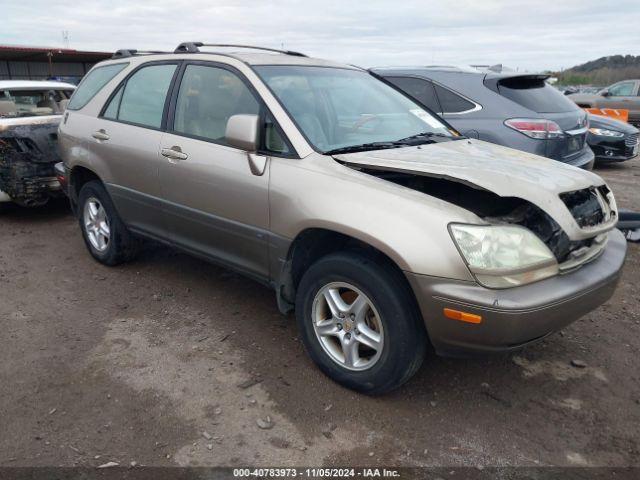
<point x="347" y="326"/>
<point x="96" y="224"/>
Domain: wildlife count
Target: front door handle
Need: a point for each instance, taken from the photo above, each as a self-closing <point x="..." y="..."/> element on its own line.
<point x="100" y="135"/>
<point x="174" y="153"/>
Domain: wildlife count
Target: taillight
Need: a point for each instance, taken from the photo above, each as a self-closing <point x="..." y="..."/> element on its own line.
<point x="535" y="128"/>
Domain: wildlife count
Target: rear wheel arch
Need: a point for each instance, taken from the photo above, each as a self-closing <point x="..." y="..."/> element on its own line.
<point x="78" y="177"/>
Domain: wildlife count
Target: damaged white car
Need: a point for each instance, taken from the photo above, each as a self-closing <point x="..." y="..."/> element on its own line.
<point x="30" y="112"/>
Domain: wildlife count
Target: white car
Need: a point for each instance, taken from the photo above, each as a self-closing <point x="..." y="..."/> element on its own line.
<point x="30" y="112"/>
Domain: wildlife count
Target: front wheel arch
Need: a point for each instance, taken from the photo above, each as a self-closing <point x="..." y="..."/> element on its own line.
<point x="309" y="246"/>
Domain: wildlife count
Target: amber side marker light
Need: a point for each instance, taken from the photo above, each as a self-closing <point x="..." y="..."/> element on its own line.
<point x="462" y="316"/>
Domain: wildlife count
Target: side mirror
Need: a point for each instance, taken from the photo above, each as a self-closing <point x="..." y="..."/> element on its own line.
<point x="605" y="93"/>
<point x="242" y="132"/>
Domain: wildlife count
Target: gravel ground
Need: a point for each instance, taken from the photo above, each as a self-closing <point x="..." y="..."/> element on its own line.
<point x="172" y="361"/>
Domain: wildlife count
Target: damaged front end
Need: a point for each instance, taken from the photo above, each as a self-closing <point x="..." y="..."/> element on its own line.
<point x="28" y="153"/>
<point x="570" y="211"/>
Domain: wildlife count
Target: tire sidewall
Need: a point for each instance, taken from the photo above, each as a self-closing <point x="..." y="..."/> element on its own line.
<point x="396" y="315"/>
<point x="95" y="189"/>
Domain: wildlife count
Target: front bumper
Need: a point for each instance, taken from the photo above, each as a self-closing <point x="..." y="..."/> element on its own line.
<point x="613" y="151"/>
<point x="512" y="318"/>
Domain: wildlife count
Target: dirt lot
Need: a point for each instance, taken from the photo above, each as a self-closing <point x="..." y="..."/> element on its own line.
<point x="157" y="362"/>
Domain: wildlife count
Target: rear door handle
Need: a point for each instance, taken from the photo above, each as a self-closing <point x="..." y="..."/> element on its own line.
<point x="174" y="153"/>
<point x="100" y="135"/>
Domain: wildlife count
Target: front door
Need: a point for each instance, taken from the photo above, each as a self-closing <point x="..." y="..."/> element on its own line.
<point x="214" y="205"/>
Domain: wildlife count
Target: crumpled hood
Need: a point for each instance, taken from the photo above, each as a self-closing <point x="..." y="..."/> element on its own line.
<point x="504" y="171"/>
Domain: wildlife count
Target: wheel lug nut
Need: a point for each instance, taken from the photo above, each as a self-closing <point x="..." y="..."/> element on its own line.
<point x="348" y="336"/>
<point x="352" y="316"/>
<point x="356" y="331"/>
<point x="339" y="326"/>
<point x="341" y="315"/>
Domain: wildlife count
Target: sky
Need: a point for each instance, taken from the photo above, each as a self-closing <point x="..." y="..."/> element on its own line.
<point x="527" y="35"/>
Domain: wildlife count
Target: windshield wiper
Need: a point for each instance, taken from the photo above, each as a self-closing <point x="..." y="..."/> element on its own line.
<point x="363" y="147"/>
<point x="428" y="136"/>
<point x="418" y="139"/>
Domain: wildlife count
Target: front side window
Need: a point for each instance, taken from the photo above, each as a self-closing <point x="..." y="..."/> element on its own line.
<point x="273" y="141"/>
<point x="93" y="83"/>
<point x="338" y="108"/>
<point x="624" y="89"/>
<point x="207" y="98"/>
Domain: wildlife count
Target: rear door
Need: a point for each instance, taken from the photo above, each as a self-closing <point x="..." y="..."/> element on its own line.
<point x="214" y="205"/>
<point x="127" y="139"/>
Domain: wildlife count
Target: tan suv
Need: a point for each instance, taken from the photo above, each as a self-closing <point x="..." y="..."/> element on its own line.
<point x="380" y="225"/>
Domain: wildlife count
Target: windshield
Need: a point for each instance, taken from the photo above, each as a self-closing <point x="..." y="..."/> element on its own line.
<point x="338" y="107"/>
<point x="32" y="103"/>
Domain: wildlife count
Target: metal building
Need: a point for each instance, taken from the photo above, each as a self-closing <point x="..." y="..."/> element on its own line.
<point x="41" y="63"/>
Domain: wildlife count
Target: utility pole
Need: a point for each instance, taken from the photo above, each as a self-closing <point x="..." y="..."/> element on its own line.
<point x="49" y="57"/>
<point x="65" y="38"/>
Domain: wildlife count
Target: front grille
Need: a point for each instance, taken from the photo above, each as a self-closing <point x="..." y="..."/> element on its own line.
<point x="631" y="140"/>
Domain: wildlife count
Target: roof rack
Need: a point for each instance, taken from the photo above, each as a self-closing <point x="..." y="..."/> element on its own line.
<point x="130" y="52"/>
<point x="193" y="47"/>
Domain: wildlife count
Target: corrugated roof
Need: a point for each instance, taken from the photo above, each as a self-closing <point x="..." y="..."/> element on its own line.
<point x="40" y="53"/>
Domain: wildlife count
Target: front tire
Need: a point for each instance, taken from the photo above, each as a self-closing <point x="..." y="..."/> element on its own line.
<point x="105" y="235"/>
<point x="360" y="323"/>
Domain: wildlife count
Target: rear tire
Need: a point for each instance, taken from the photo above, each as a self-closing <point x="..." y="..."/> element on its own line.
<point x="105" y="235"/>
<point x="391" y="328"/>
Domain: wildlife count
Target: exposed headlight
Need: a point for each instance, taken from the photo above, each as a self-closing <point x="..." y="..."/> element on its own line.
<point x="502" y="256"/>
<point x="606" y="133"/>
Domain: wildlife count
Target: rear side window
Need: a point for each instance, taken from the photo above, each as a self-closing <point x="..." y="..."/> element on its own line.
<point x="535" y="94"/>
<point x="112" y="110"/>
<point x="93" y="83"/>
<point x="452" y="102"/>
<point x="141" y="100"/>
<point x="208" y="96"/>
<point x="419" y="89"/>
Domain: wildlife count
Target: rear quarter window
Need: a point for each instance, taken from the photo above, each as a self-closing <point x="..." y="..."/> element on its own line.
<point x="418" y="89"/>
<point x="535" y="94"/>
<point x="93" y="83"/>
<point x="452" y="102"/>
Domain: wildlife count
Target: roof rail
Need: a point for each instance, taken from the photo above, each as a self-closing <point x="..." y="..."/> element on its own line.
<point x="193" y="47"/>
<point x="130" y="52"/>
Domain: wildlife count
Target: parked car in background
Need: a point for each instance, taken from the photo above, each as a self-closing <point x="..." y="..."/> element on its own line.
<point x="612" y="140"/>
<point x="622" y="95"/>
<point x="512" y="109"/>
<point x="369" y="216"/>
<point x="30" y="112"/>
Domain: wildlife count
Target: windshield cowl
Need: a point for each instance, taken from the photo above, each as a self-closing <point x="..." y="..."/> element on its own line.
<point x="412" y="141"/>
